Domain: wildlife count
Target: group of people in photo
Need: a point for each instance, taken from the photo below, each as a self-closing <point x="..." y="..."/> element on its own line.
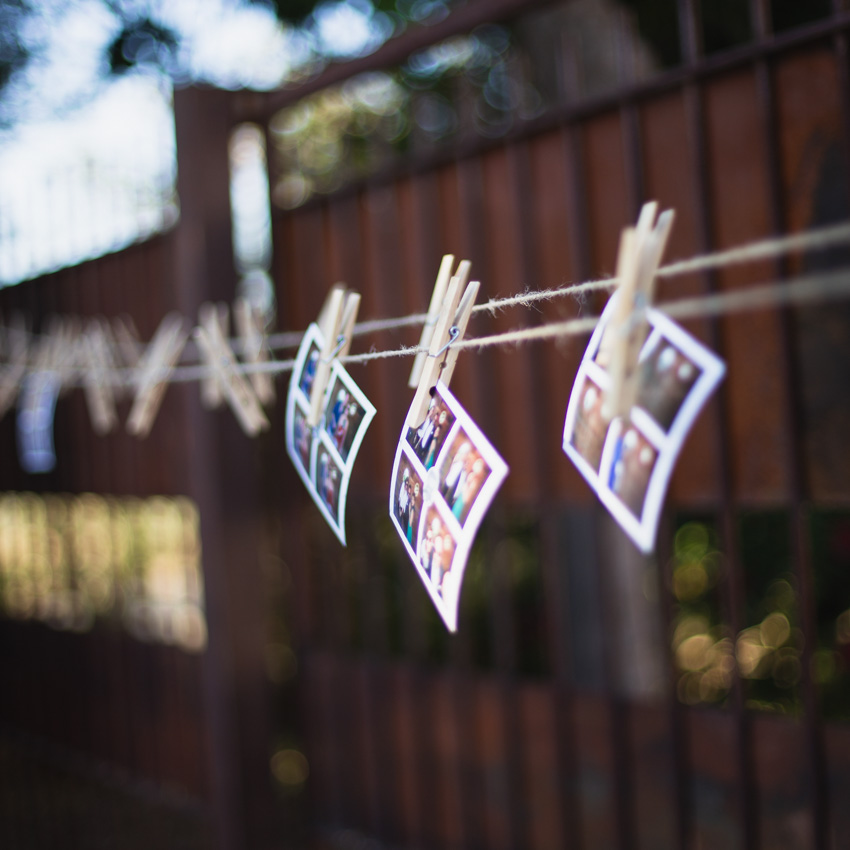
<point x="436" y="550"/>
<point x="465" y="473"/>
<point x="428" y="438"/>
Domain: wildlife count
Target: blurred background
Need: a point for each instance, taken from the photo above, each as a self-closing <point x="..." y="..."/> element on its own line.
<point x="189" y="657"/>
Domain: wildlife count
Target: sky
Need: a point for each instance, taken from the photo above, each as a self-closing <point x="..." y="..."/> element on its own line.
<point x="88" y="166"/>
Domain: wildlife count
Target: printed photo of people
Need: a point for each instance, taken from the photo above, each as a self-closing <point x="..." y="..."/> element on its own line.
<point x="447" y="470"/>
<point x="666" y="378"/>
<point x="463" y="472"/>
<point x="427" y="440"/>
<point x="407" y="500"/>
<point x="436" y="548"/>
<point x="632" y="463"/>
<point x="629" y="465"/>
<point x="305" y="381"/>
<point x="328" y="480"/>
<point x="343" y="416"/>
<point x="324" y="456"/>
<point x="303" y="437"/>
<point x="589" y="426"/>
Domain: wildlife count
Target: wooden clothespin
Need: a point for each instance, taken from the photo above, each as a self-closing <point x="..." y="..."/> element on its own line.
<point x="59" y="352"/>
<point x="218" y="354"/>
<point x="127" y="341"/>
<point x="154" y="368"/>
<point x="450" y="327"/>
<point x="444" y="275"/>
<point x="250" y="325"/>
<point x="126" y="347"/>
<point x="98" y="357"/>
<point x="216" y="319"/>
<point x="336" y="322"/>
<point x="641" y="249"/>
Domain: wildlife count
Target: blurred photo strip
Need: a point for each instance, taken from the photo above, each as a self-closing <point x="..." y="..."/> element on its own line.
<point x="628" y="461"/>
<point x="445" y="476"/>
<point x="324" y="455"/>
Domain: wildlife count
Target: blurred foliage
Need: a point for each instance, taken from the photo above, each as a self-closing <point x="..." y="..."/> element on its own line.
<point x="71" y="561"/>
<point x="301" y="12"/>
<point x="144" y="39"/>
<point x="830" y="536"/>
<point x="475" y="85"/>
<point x="13" y="53"/>
<point x="767" y="653"/>
<point x="143" y="42"/>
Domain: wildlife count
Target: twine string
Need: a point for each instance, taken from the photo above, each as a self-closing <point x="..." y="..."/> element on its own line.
<point x="800" y="290"/>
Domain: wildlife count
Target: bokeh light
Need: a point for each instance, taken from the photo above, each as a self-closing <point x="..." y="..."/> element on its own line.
<point x="71" y="560"/>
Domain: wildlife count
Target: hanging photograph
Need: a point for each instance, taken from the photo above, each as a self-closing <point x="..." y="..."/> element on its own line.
<point x="629" y="463"/>
<point x="445" y="475"/>
<point x="324" y="456"/>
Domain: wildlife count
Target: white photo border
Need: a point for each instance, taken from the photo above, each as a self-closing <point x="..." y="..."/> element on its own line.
<point x="298" y="400"/>
<point x="464" y="534"/>
<point x="668" y="444"/>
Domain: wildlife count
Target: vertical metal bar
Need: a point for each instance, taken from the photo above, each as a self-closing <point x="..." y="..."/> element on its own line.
<point x="630" y="125"/>
<point x="621" y="734"/>
<point x="690" y="31"/>
<point x="842" y="58"/>
<point x="578" y="214"/>
<point x="554" y="575"/>
<point x="383" y="252"/>
<point x="221" y="477"/>
<point x="426" y="767"/>
<point x="819" y="828"/>
<point x="690" y="48"/>
<point x="468" y="768"/>
<point x="579" y="205"/>
<point x="733" y="585"/>
<point x="760" y="19"/>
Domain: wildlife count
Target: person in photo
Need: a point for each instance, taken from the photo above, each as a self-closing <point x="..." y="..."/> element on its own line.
<point x="303" y="434"/>
<point x="341" y="400"/>
<point x="464" y="474"/>
<point x="427" y="548"/>
<point x="456" y="462"/>
<point x="666" y="378"/>
<point x="590" y="427"/>
<point x="436" y="438"/>
<point x="344" y="427"/>
<point x="449" y="546"/>
<point x="631" y="468"/>
<point x="309" y="373"/>
<point x="328" y="482"/>
<point x="403" y="498"/>
<point x="476" y="473"/>
<point x="427" y="440"/>
<point x="415" y="436"/>
<point x="436" y="549"/>
<point x="414" y="510"/>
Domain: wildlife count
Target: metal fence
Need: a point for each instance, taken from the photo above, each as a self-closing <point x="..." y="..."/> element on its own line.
<point x="591" y="698"/>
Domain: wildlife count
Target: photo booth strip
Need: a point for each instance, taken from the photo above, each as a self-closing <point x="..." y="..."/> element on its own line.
<point x="445" y="475"/>
<point x="324" y="454"/>
<point x="628" y="460"/>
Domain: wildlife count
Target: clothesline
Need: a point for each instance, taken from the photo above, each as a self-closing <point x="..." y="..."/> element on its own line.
<point x="799" y="290"/>
<point x="810" y="240"/>
<point x="796" y="291"/>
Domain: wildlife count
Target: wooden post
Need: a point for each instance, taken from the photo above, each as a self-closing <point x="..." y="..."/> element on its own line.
<point x="223" y="481"/>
